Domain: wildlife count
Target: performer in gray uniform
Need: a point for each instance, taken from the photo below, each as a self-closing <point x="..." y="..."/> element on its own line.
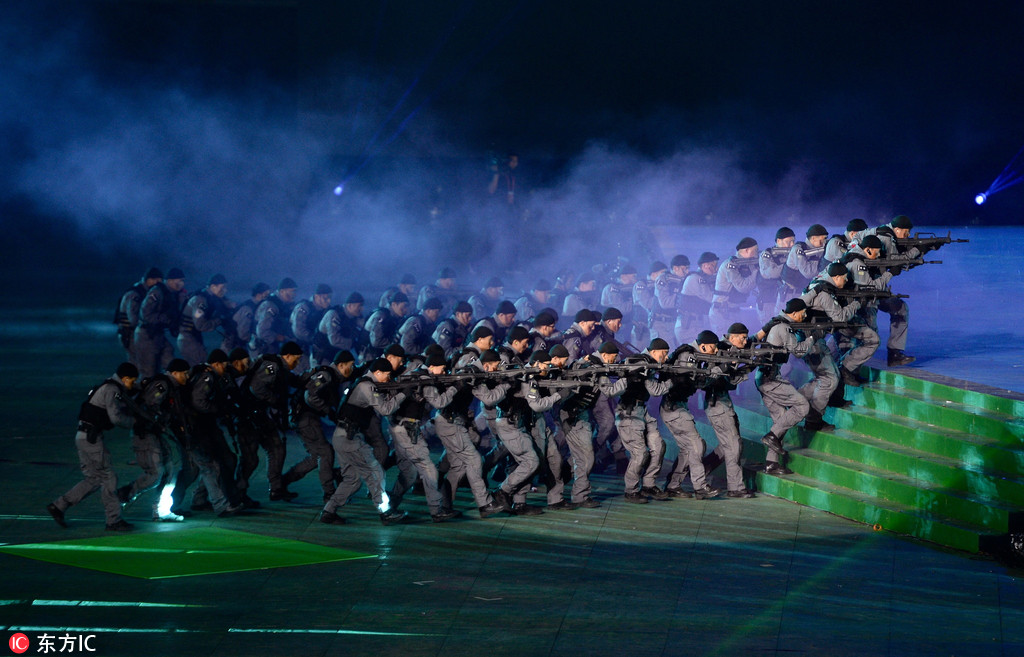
<point x="803" y="263"/>
<point x="528" y="305"/>
<point x="576" y="338"/>
<point x="584" y="296"/>
<point x="644" y="303"/>
<point x="451" y="333"/>
<point x="770" y="264"/>
<point x="305" y="321"/>
<point x="444" y="289"/>
<point x="128" y="308"/>
<point x="737" y="278"/>
<point x="619" y="294"/>
<point x="159" y="315"/>
<point x="695" y="300"/>
<point x="638" y="431"/>
<point x="722" y="416"/>
<point x="679" y="421"/>
<point x="862" y="341"/>
<point x="415" y="333"/>
<point x="667" y="291"/>
<point x="103" y="410"/>
<point x="485" y="302"/>
<point x="858" y="262"/>
<point x="838" y="245"/>
<point x="383" y="326"/>
<point x="355" y="456"/>
<point x="205" y="311"/>
<point x="784" y="403"/>
<point x="273" y="320"/>
<point x="342" y="328"/>
<point x="243" y="320"/>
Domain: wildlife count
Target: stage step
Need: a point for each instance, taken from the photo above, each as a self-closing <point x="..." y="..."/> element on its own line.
<point x="939" y="460"/>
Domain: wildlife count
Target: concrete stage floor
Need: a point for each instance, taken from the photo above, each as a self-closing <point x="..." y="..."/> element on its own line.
<point x="720" y="577"/>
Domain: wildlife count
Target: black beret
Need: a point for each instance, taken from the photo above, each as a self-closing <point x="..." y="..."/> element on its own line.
<point x="153" y="272"/>
<point x="407" y="279"/>
<point x="433" y="303"/>
<point x="680" y="261"/>
<point x="238" y="353"/>
<point x="343" y="356"/>
<point x="506" y="307"/>
<point x="746" y="243"/>
<point x="707" y="256"/>
<point x="446" y="272"/>
<point x="627" y="270"/>
<point x="584" y="315"/>
<point x="540" y="356"/>
<point x="902" y="221"/>
<point x="217" y="356"/>
<point x="381" y="365"/>
<point x="291" y="348"/>
<point x="355" y="297"/>
<point x="608" y="348"/>
<point x="612" y="313"/>
<point x="287" y="284"/>
<point x="518" y="333"/>
<point x="707" y="337"/>
<point x="217" y="279"/>
<point x="784" y="232"/>
<point x="737" y="328"/>
<point x="178" y="365"/>
<point x="481" y="332"/>
<point x="817" y="229"/>
<point x="494" y="281"/>
<point x="175" y="273"/>
<point x="795" y="305"/>
<point x="433" y="348"/>
<point x="324" y="288"/>
<point x="400" y="297"/>
<point x="657" y="344"/>
<point x="543" y="319"/>
<point x="543" y="285"/>
<point x="856" y="225"/>
<point x="870" y="242"/>
<point x="259" y="288"/>
<point x="463" y="307"/>
<point x="838" y="269"/>
<point x="658" y="265"/>
<point x="586" y="277"/>
<point x="559" y="351"/>
<point x="489" y="356"/>
<point x="128" y="370"/>
<point x="433" y="360"/>
<point x="395" y="350"/>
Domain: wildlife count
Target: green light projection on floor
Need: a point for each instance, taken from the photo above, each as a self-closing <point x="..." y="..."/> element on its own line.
<point x="181" y="553"/>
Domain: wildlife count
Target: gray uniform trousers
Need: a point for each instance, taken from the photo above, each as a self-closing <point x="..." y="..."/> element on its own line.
<point x="152" y="353"/>
<point x="414" y="460"/>
<point x="722" y="418"/>
<point x="899" y="321"/>
<point x="357" y="465"/>
<point x="679" y="421"/>
<point x="191" y="348"/>
<point x="520" y="445"/>
<point x="819" y="389"/>
<point x="463" y="458"/>
<point x="319" y="453"/>
<point x="858" y="347"/>
<point x="604" y="416"/>
<point x="547" y="448"/>
<point x="94" y="461"/>
<point x="786" y="406"/>
<point x="638" y="432"/>
<point x="153" y="456"/>
<point x="579" y="437"/>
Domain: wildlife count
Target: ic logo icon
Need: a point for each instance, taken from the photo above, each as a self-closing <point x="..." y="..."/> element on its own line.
<point x="19" y="643"/>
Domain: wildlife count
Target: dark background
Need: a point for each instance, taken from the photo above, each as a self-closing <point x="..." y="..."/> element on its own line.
<point x="209" y="134"/>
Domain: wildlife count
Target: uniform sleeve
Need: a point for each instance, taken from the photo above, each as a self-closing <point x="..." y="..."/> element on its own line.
<point x="738" y="281"/>
<point x="265" y="315"/>
<point x="300" y="323"/>
<point x="490" y="396"/>
<point x="110" y="398"/>
<point x="439" y="399"/>
<point x="262" y="384"/>
<point x="149" y="311"/>
<point x="539" y="402"/>
<point x="409" y="335"/>
<point x="133" y="307"/>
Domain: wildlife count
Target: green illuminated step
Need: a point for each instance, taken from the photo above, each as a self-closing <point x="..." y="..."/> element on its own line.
<point x="887" y="514"/>
<point x="929" y="468"/>
<point x="976" y="453"/>
<point x="942" y="413"/>
<point x="962" y="392"/>
<point x="900" y="488"/>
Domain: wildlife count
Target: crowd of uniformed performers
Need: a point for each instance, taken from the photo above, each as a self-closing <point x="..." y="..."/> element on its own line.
<point x="535" y="392"/>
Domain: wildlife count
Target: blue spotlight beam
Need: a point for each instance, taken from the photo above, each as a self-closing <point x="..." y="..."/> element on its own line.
<point x="1007" y="178"/>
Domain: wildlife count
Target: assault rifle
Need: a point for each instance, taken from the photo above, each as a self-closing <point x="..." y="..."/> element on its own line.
<point x="909" y="263"/>
<point x="404" y="383"/>
<point x="926" y="241"/>
<point x="867" y="293"/>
